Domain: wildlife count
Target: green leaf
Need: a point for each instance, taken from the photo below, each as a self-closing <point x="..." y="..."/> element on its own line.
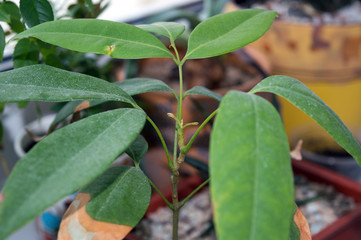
<point x="4" y="16"/>
<point x="250" y="168"/>
<point x="198" y="90"/>
<point x="227" y="32"/>
<point x="137" y="149"/>
<point x="120" y="196"/>
<point x="2" y="43"/>
<point x="90" y="5"/>
<point x="45" y="83"/>
<point x="303" y="98"/>
<point x="141" y="85"/>
<point x="63" y="162"/>
<point x="294" y="231"/>
<point x="119" y="40"/>
<point x="1" y="135"/>
<point x="35" y="12"/>
<point x="14" y="12"/>
<point x="171" y="30"/>
<point x="25" y="54"/>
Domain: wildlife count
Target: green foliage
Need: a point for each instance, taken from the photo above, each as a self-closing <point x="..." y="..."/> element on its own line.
<point x="2" y="43"/>
<point x="250" y="169"/>
<point x="35" y="12"/>
<point x="121" y="196"/>
<point x="170" y="30"/>
<point x="294" y="231"/>
<point x="302" y="97"/>
<point x="227" y="32"/>
<point x="118" y="40"/>
<point x="83" y="151"/>
<point x="15" y="17"/>
<point x="25" y="53"/>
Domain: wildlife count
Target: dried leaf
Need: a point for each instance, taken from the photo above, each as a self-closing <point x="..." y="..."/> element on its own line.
<point x="83" y="105"/>
<point x="296" y="153"/>
<point x="77" y="224"/>
<point x="301" y="222"/>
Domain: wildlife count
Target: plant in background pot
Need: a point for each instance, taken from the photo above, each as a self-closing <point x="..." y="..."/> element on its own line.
<point x="250" y="169"/>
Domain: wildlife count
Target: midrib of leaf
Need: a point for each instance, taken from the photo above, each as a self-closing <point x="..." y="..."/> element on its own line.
<point x="102" y="37"/>
<point x="169" y="33"/>
<point x="63" y="88"/>
<point x="255" y="192"/>
<point x="33" y="197"/>
<point x="221" y="36"/>
<point x="109" y="195"/>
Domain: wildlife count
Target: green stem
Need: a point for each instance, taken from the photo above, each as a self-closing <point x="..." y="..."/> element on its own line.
<point x="194" y="192"/>
<point x="170" y="163"/>
<point x="189" y="145"/>
<point x="161" y="195"/>
<point x="175" y="201"/>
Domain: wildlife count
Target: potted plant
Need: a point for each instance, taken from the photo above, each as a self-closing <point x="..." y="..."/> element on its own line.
<point x="250" y="169"/>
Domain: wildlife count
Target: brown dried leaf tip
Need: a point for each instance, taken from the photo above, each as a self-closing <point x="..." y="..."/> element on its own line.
<point x="301" y="222"/>
<point x="296" y="153"/>
<point x="77" y="224"/>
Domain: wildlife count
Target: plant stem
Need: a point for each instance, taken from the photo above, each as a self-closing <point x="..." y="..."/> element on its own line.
<point x="189" y="145"/>
<point x="174" y="180"/>
<point x="161" y="195"/>
<point x="194" y="192"/>
<point x="5" y="166"/>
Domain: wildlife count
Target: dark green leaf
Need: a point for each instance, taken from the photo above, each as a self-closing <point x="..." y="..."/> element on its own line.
<point x="121" y="196"/>
<point x="25" y="54"/>
<point x="302" y="97"/>
<point x="203" y="91"/>
<point x="65" y="161"/>
<point x="250" y="168"/>
<point x="2" y="43"/>
<point x="35" y="12"/>
<point x="170" y="30"/>
<point x="14" y="12"/>
<point x="4" y="16"/>
<point x="294" y="231"/>
<point x="141" y="85"/>
<point x="90" y="5"/>
<point x="1" y="135"/>
<point x="22" y="104"/>
<point x="119" y="40"/>
<point x="137" y="149"/>
<point x="227" y="32"/>
<point x="2" y="106"/>
<point x="45" y="83"/>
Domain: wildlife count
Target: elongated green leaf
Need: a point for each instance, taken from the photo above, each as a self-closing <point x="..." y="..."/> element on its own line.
<point x="45" y="83"/>
<point x="119" y="40"/>
<point x="65" y="161"/>
<point x="130" y="86"/>
<point x="2" y="43"/>
<point x="14" y="12"/>
<point x="141" y="85"/>
<point x="250" y="168"/>
<point x="35" y="12"/>
<point x="4" y="16"/>
<point x="294" y="231"/>
<point x="227" y="32"/>
<point x="25" y="54"/>
<point x="203" y="91"/>
<point x="120" y="196"/>
<point x="137" y="149"/>
<point x="303" y="98"/>
<point x="171" y="30"/>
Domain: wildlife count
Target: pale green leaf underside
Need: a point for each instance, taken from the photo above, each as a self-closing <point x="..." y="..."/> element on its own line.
<point x="250" y="168"/>
<point x="130" y="86"/>
<point x="137" y="149"/>
<point x="203" y="91"/>
<point x="45" y="83"/>
<point x="2" y="43"/>
<point x="121" y="196"/>
<point x="119" y="40"/>
<point x="227" y="32"/>
<point x="63" y="162"/>
<point x="35" y="12"/>
<point x="303" y="98"/>
<point x="171" y="30"/>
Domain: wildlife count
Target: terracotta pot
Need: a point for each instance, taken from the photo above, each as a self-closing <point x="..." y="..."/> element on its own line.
<point x="346" y="227"/>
